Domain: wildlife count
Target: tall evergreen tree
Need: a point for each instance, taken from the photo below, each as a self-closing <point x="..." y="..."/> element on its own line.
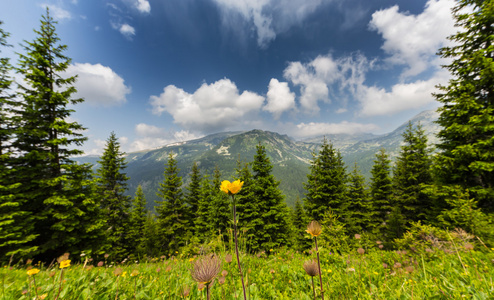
<point x="326" y="184"/>
<point x="53" y="186"/>
<point x="172" y="210"/>
<point x="381" y="188"/>
<point x="115" y="205"/>
<point x="137" y="220"/>
<point x="248" y="208"/>
<point x="274" y="214"/>
<point x="410" y="174"/>
<point x="194" y="194"/>
<point x="466" y="156"/>
<point x="219" y="209"/>
<point x="300" y="221"/>
<point x="360" y="206"/>
<point x="16" y="224"/>
<point x="202" y="225"/>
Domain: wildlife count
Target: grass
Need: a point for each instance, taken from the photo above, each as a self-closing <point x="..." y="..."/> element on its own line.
<point x="376" y="274"/>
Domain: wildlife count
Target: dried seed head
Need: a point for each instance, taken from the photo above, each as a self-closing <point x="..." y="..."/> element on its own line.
<point x="357" y="236"/>
<point x="314" y="228"/>
<point x="469" y="246"/>
<point x="186" y="291"/>
<point x="360" y="251"/>
<point x="409" y="269"/>
<point x="397" y="265"/>
<point x="228" y="258"/>
<point x="311" y="268"/>
<point x="117" y="271"/>
<point x="221" y="280"/>
<point x="206" y="268"/>
<point x="224" y="273"/>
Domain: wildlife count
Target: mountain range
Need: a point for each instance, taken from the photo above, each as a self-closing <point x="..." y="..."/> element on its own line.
<point x="290" y="158"/>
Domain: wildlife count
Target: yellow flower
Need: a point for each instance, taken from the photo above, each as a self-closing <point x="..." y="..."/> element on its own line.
<point x="314" y="228"/>
<point x="65" y="263"/>
<point x="32" y="272"/>
<point x="231" y="188"/>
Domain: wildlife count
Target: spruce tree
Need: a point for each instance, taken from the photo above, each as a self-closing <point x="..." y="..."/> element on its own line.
<point x="53" y="186"/>
<point x="16" y="224"/>
<point x="172" y="210"/>
<point x="466" y="156"/>
<point x="326" y="185"/>
<point x="194" y="194"/>
<point x="137" y="220"/>
<point x="381" y="188"/>
<point x="299" y="224"/>
<point x="410" y="174"/>
<point x="274" y="214"/>
<point x="248" y="208"/>
<point x="360" y="206"/>
<point x="202" y="225"/>
<point x="219" y="208"/>
<point x="115" y="205"/>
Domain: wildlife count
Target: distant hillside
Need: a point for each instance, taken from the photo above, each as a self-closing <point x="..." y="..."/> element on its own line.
<point x="290" y="158"/>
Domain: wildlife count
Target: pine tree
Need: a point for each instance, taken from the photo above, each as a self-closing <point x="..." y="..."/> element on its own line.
<point x="299" y="224"/>
<point x="52" y="185"/>
<point x="274" y="214"/>
<point x="381" y="188"/>
<point x="219" y="209"/>
<point x="172" y="210"/>
<point x="326" y="184"/>
<point x="194" y="194"/>
<point x="466" y="156"/>
<point x="410" y="174"/>
<point x="16" y="224"/>
<point x="137" y="220"/>
<point x="248" y="208"/>
<point x="360" y="206"/>
<point x="115" y="205"/>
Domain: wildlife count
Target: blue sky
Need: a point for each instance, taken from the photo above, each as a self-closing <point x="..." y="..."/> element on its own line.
<point x="160" y="71"/>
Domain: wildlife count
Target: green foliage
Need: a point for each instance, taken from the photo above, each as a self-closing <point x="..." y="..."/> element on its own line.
<point x="381" y="189"/>
<point x="410" y="174"/>
<point x="219" y="209"/>
<point x="334" y="234"/>
<point x="463" y="213"/>
<point x="137" y="222"/>
<point x="466" y="156"/>
<point x="194" y="193"/>
<point x="326" y="184"/>
<point x="274" y="231"/>
<point x="359" y="203"/>
<point x="115" y="205"/>
<point x="172" y="210"/>
<point x="299" y="224"/>
<point x="54" y="193"/>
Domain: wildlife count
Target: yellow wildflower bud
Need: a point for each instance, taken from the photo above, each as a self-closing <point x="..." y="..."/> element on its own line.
<point x="32" y="272"/>
<point x="65" y="264"/>
<point x="231" y="188"/>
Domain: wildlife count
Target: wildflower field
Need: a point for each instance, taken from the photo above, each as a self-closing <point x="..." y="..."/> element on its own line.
<point x="362" y="274"/>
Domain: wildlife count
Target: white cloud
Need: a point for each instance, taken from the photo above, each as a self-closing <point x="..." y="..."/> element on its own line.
<point x="413" y="40"/>
<point x="143" y="6"/>
<point x="402" y="96"/>
<point x="325" y="76"/>
<point x="98" y="85"/>
<point x="268" y="17"/>
<point x="151" y="136"/>
<point x="318" y="129"/>
<point x="279" y="98"/>
<point x="210" y="108"/>
<point x="127" y="30"/>
<point x="149" y="130"/>
<point x="57" y="12"/>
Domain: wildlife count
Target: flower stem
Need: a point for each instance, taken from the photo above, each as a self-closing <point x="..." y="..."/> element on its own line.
<point x="313" y="289"/>
<point x="319" y="266"/>
<point x="236" y="245"/>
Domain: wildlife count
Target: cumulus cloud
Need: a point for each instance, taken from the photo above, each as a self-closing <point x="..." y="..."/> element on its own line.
<point x="267" y="17"/>
<point x="127" y="30"/>
<point x="413" y="40"/>
<point x="143" y="6"/>
<point x="212" y="107"/>
<point x="57" y="12"/>
<point x="98" y="84"/>
<point x="279" y="98"/>
<point x="344" y="127"/>
<point x="325" y="76"/>
<point x="150" y="136"/>
<point x="402" y="96"/>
